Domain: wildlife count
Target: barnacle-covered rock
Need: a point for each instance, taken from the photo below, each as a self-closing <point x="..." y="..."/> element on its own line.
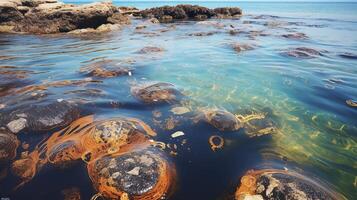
<point x="41" y="117"/>
<point x="141" y="174"/>
<point x="153" y="92"/>
<point x="281" y="184"/>
<point x="8" y="145"/>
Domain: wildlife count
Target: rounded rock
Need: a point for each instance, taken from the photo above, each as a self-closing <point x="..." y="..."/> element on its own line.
<point x="142" y="174"/>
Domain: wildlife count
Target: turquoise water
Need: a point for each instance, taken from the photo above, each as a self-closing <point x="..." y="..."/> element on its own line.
<point x="306" y="98"/>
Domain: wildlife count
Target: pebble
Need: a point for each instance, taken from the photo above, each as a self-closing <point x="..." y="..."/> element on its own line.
<point x="177" y="134"/>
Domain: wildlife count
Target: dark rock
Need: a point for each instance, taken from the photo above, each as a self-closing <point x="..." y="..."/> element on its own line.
<point x="349" y="56"/>
<point x="107" y="68"/>
<point x="303" y="52"/>
<point x="41" y="117"/>
<point x="9" y="12"/>
<point x="146" y="50"/>
<point x="142" y="174"/>
<point x="8" y="145"/>
<point x="156" y="93"/>
<point x="222" y="120"/>
<point x="118" y="18"/>
<point x="202" y="33"/>
<point x="296" y="36"/>
<point x="188" y="12"/>
<point x="227" y="12"/>
<point x="242" y="47"/>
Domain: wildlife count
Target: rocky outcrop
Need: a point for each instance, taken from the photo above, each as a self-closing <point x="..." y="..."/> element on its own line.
<point x="188" y="12"/>
<point x="50" y="16"/>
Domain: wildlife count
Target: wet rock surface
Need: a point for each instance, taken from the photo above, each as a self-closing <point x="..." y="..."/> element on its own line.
<point x="54" y="17"/>
<point x="8" y="145"/>
<point x="152" y="93"/>
<point x="139" y="173"/>
<point x="107" y="68"/>
<point x="279" y="184"/>
<point x="188" y="12"/>
<point x="40" y="117"/>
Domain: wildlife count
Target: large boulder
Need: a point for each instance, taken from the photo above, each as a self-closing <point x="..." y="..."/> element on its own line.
<point x="50" y="16"/>
<point x="189" y="12"/>
<point x="40" y="117"/>
<point x="9" y="12"/>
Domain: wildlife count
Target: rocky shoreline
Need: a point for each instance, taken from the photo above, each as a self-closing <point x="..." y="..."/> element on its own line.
<point x="52" y="16"/>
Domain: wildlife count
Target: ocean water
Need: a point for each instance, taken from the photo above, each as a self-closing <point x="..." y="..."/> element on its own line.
<point x="304" y="98"/>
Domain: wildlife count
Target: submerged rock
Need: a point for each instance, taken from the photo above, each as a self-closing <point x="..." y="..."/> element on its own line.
<point x="54" y="17"/>
<point x="296" y="36"/>
<point x="140" y="174"/>
<point x="242" y="47"/>
<point x="188" y="12"/>
<point x="349" y="56"/>
<point x="279" y="184"/>
<point x="41" y="117"/>
<point x="107" y="68"/>
<point x="151" y="49"/>
<point x="156" y="92"/>
<point x="303" y="52"/>
<point x="8" y="145"/>
<point x="221" y="119"/>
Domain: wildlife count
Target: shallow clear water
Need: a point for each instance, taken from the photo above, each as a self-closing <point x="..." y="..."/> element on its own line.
<point x="306" y="98"/>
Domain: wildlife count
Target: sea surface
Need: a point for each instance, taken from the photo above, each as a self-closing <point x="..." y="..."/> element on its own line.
<point x="304" y="98"/>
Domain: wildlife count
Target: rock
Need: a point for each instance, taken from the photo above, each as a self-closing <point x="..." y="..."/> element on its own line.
<point x="9" y="12"/>
<point x="47" y="16"/>
<point x="150" y="49"/>
<point x="282" y="184"/>
<point x="41" y="117"/>
<point x="180" y="110"/>
<point x="221" y="119"/>
<point x="202" y="33"/>
<point x="17" y="125"/>
<point x="131" y="173"/>
<point x="128" y="10"/>
<point x="296" y="36"/>
<point x="153" y="21"/>
<point x="303" y="52"/>
<point x="152" y="93"/>
<point x="228" y="12"/>
<point x="108" y="27"/>
<point x="8" y="145"/>
<point x="119" y="18"/>
<point x="242" y="47"/>
<point x="349" y="56"/>
<point x="179" y="12"/>
<point x="177" y="134"/>
<point x="106" y="69"/>
<point x="351" y="103"/>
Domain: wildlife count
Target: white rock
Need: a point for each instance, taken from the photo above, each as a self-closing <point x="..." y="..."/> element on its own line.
<point x="17" y="125"/>
<point x="180" y="110"/>
<point x="134" y="171"/>
<point x="177" y="134"/>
